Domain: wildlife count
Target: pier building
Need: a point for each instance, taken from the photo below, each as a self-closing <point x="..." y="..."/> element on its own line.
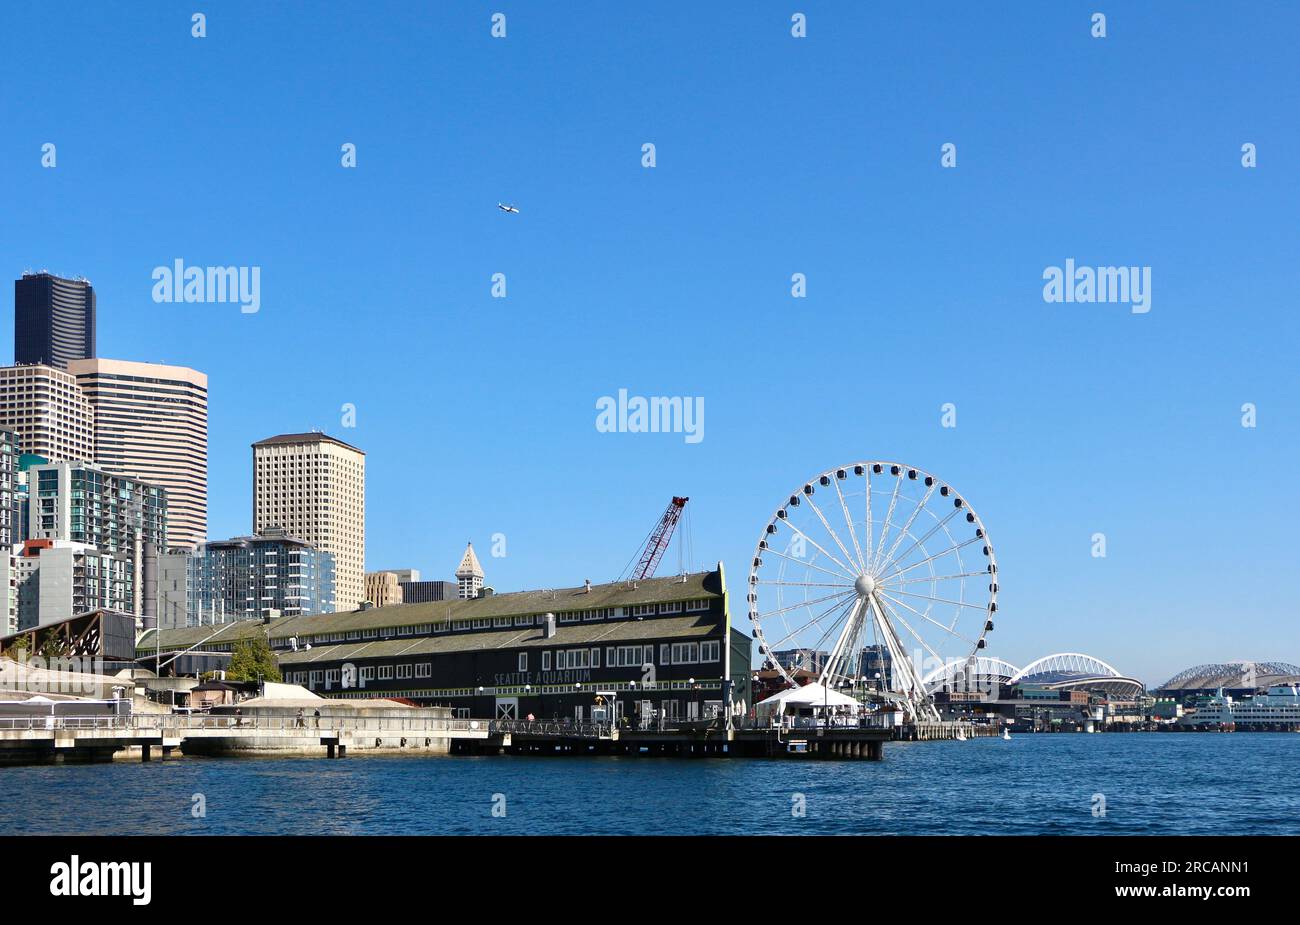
<point x="644" y="651"/>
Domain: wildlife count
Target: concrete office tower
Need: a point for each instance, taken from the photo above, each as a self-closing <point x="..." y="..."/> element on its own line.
<point x="46" y="409"/>
<point x="313" y="487"/>
<point x="54" y="320"/>
<point x="383" y="589"/>
<point x="151" y="423"/>
<point x="470" y="574"/>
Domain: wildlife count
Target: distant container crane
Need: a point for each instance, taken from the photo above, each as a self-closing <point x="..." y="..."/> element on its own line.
<point x="657" y="543"/>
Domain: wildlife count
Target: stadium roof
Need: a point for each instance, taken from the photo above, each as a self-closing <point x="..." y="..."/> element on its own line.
<point x="1240" y="674"/>
<point x="1076" y="671"/>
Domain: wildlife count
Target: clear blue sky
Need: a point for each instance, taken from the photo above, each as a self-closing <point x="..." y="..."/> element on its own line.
<point x="775" y="155"/>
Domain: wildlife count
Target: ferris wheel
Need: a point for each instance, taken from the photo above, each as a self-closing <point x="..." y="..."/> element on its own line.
<point x="882" y="567"/>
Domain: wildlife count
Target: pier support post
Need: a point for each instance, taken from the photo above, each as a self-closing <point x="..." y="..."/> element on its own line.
<point x="144" y="752"/>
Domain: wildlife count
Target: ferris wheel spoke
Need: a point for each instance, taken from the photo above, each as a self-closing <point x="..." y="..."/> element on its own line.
<point x="848" y="521"/>
<point x="929" y="619"/>
<point x="889" y="556"/>
<point x="866" y="473"/>
<point x="806" y="584"/>
<point x="889" y="516"/>
<point x="804" y="563"/>
<point x="820" y="600"/>
<point x="937" y="555"/>
<point x="940" y="600"/>
<point x="848" y="572"/>
<point x="822" y="517"/>
<point x="815" y="621"/>
<point x="912" y="581"/>
<point x="920" y="542"/>
<point x="907" y="626"/>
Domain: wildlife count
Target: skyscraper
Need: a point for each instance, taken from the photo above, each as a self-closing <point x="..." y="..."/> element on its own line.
<point x="470" y="574"/>
<point x="48" y="412"/>
<point x="54" y="319"/>
<point x="313" y="487"/>
<point x="151" y="423"/>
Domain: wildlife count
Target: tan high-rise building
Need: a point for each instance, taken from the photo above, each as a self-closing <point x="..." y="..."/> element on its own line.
<point x="48" y="411"/>
<point x="151" y="423"/>
<point x="383" y="589"/>
<point x="313" y="487"/>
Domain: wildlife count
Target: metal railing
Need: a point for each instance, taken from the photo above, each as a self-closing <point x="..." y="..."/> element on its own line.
<point x="557" y="728"/>
<point x="177" y="723"/>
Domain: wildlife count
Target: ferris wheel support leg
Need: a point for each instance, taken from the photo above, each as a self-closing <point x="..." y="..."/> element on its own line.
<point x="848" y="633"/>
<point x="918" y="705"/>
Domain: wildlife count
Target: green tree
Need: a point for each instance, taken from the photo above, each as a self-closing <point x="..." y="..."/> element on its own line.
<point x="252" y="660"/>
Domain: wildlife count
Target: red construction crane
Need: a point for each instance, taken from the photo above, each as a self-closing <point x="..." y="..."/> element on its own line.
<point x="657" y="544"/>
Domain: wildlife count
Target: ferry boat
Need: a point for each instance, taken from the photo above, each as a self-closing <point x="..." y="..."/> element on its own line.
<point x="1277" y="709"/>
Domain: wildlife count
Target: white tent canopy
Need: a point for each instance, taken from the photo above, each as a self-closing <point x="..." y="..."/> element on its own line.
<point x="794" y="699"/>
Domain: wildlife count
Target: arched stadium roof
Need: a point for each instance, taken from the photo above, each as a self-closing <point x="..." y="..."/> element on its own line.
<point x="984" y="668"/>
<point x="1077" y="671"/>
<point x="1239" y="674"/>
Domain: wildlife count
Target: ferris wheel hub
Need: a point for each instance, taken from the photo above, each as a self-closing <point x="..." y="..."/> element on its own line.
<point x="864" y="585"/>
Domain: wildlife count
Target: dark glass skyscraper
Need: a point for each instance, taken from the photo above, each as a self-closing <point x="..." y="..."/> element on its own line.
<point x="54" y="320"/>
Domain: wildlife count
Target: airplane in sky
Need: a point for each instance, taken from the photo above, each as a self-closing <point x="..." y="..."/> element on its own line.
<point x="505" y="208"/>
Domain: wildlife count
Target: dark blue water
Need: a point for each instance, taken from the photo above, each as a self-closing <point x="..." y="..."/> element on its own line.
<point x="1152" y="783"/>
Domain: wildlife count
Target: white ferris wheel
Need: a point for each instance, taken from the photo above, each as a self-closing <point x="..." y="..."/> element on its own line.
<point x="885" y="569"/>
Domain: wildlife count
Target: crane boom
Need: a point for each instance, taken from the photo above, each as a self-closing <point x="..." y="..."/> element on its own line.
<point x="658" y="542"/>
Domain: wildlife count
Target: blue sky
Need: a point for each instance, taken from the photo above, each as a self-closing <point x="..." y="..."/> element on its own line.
<point x="775" y="155"/>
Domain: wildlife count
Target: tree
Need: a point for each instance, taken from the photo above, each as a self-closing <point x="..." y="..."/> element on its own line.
<point x="252" y="660"/>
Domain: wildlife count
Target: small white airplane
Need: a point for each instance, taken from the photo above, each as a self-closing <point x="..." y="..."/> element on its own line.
<point x="505" y="208"/>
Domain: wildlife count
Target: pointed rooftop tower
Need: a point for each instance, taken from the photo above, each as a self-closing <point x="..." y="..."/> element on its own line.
<point x="470" y="574"/>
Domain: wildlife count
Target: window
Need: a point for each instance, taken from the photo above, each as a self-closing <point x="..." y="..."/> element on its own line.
<point x="523" y="661"/>
<point x="686" y="653"/>
<point x="674" y="607"/>
<point x="524" y="621"/>
<point x="385" y="672"/>
<point x="571" y="616"/>
<point x="332" y="677"/>
<point x="559" y="660"/>
<point x="546" y="661"/>
<point x="664" y="658"/>
<point x="649" y="657"/>
<point x="595" y="658"/>
<point x="368" y="673"/>
<point x="576" y="658"/>
<point x="424" y="670"/>
<point x="695" y="606"/>
<point x="610" y="657"/>
<point x="643" y="610"/>
<point x="710" y="651"/>
<point x="404" y="672"/>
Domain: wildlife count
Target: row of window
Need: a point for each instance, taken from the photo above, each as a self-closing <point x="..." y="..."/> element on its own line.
<point x="677" y="653"/>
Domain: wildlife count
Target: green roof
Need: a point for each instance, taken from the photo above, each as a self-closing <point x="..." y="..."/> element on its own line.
<point x="696" y="586"/>
<point x="593" y="634"/>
